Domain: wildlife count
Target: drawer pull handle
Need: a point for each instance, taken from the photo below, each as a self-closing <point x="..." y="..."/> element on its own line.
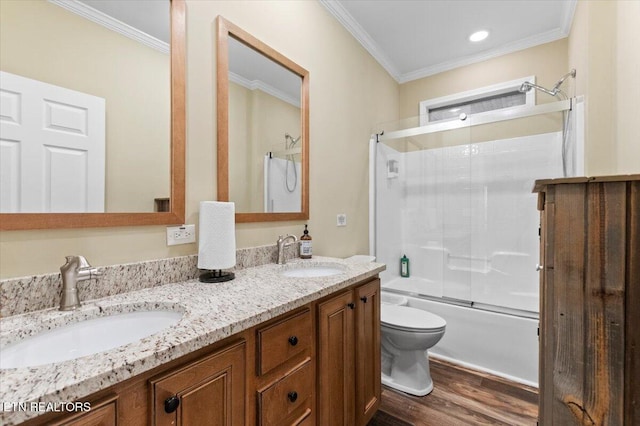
<point x="293" y="340"/>
<point x="171" y="404"/>
<point x="364" y="299"/>
<point x="351" y="305"/>
<point x="292" y="396"/>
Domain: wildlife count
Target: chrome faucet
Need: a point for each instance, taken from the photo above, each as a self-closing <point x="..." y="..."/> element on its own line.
<point x="76" y="269"/>
<point x="281" y="244"/>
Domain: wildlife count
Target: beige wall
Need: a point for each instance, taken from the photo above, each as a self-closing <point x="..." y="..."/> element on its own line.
<point x="42" y="41"/>
<point x="628" y="87"/>
<point x="603" y="47"/>
<point x="548" y="62"/>
<point x="349" y="91"/>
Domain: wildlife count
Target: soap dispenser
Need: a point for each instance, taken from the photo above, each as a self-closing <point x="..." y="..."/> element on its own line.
<point x="306" y="250"/>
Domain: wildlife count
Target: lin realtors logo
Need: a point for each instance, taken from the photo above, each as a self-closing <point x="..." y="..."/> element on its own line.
<point x="45" y="407"/>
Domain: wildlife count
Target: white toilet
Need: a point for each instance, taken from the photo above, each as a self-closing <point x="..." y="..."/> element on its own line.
<point x="406" y="334"/>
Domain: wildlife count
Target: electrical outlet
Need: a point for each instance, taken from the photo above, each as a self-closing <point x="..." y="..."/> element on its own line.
<point x="341" y="219"/>
<point x="184" y="234"/>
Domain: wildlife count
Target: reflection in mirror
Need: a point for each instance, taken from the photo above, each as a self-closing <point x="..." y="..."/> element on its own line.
<point x="103" y="99"/>
<point x="92" y="114"/>
<point x="264" y="116"/>
<point x="262" y="129"/>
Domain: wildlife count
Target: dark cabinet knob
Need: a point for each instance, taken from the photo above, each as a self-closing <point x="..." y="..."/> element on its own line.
<point x="293" y="340"/>
<point x="292" y="396"/>
<point x="171" y="404"/>
<point x="351" y="305"/>
<point x="364" y="299"/>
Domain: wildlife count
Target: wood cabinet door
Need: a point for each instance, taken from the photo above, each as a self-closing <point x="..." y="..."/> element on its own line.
<point x="367" y="351"/>
<point x="589" y="297"/>
<point x="208" y="392"/>
<point x="336" y="361"/>
<point x="101" y="414"/>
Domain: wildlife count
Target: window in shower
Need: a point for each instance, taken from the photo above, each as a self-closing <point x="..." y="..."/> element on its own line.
<point x="485" y="99"/>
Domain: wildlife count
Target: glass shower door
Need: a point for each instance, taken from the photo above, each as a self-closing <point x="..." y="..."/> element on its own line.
<point x="422" y="187"/>
<point x="506" y="158"/>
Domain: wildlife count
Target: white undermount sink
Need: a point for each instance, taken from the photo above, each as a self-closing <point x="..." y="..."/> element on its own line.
<point x="313" y="270"/>
<point x="85" y="338"/>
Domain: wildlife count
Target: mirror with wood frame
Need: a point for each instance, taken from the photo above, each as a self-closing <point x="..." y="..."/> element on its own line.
<point x="120" y="188"/>
<point x="263" y="129"/>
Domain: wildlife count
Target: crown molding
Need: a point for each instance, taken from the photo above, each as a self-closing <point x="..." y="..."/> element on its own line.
<point x="356" y="30"/>
<point x="113" y="24"/>
<point x="568" y="11"/>
<point x="261" y="85"/>
<point x="515" y="46"/>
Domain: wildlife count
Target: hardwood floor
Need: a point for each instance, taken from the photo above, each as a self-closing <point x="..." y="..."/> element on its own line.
<point x="460" y="397"/>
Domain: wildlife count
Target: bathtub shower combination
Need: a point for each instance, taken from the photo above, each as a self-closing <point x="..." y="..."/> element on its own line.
<point x="456" y="199"/>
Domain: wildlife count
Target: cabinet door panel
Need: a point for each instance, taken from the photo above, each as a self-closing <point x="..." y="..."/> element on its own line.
<point x="206" y="405"/>
<point x="210" y="391"/>
<point x="367" y="351"/>
<point x="101" y="415"/>
<point x="336" y="361"/>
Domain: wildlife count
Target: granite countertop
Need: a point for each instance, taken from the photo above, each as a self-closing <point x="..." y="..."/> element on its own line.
<point x="211" y="312"/>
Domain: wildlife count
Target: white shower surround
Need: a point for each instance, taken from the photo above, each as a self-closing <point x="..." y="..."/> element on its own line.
<point x="277" y="196"/>
<point x="466" y="218"/>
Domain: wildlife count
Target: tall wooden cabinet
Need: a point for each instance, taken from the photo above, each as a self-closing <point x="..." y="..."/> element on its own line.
<point x="590" y="301"/>
<point x="349" y="356"/>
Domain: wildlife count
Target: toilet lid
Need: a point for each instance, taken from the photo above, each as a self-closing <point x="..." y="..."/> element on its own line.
<point x="404" y="317"/>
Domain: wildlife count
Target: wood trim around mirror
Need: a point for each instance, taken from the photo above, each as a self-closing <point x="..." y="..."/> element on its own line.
<point x="176" y="215"/>
<point x="225" y="30"/>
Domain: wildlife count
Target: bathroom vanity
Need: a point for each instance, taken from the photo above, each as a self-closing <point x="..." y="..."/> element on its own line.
<point x="267" y="348"/>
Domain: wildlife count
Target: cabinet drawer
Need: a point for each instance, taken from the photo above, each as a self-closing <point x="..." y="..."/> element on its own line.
<point x="292" y="393"/>
<point x="281" y="341"/>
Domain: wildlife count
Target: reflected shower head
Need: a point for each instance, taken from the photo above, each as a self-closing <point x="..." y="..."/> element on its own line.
<point x="293" y="141"/>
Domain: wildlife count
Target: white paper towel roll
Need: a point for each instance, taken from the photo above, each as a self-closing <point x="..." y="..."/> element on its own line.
<point x="217" y="243"/>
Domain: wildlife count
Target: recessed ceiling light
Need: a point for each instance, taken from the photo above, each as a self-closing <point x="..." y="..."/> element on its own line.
<point x="479" y="36"/>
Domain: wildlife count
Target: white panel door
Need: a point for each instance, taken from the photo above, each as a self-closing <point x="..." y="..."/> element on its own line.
<point x="52" y="148"/>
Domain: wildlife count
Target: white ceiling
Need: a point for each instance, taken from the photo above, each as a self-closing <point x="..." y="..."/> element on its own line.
<point x="413" y="39"/>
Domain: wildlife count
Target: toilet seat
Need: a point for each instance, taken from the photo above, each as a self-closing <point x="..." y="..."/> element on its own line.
<point x="407" y="318"/>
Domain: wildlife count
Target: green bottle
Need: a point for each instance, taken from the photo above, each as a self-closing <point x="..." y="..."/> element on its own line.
<point x="404" y="266"/>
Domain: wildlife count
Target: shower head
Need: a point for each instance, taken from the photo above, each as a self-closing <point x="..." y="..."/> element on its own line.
<point x="526" y="86"/>
<point x="571" y="74"/>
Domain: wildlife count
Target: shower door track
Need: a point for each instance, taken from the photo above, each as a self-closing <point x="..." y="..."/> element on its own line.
<point x="478" y="119"/>
<point x="469" y="304"/>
